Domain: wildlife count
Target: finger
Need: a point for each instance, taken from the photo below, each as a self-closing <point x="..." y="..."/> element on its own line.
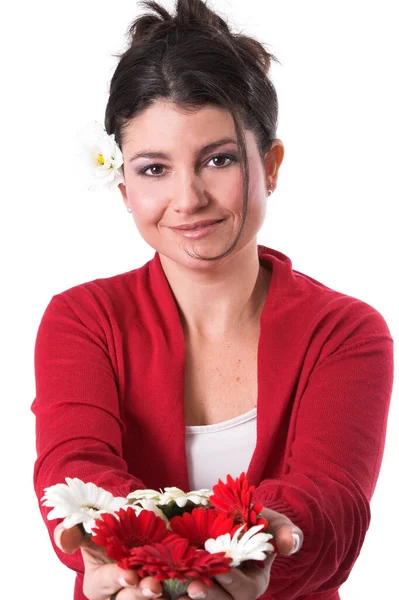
<point x="100" y="583"/>
<point x="198" y="590"/>
<point x="221" y="588"/>
<point x="134" y="594"/>
<point x="94" y="556"/>
<point x="254" y="580"/>
<point x="288" y="537"/>
<point x="68" y="540"/>
<point x="260" y="576"/>
<point x="150" y="587"/>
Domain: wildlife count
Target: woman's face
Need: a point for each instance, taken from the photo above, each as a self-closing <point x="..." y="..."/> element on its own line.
<point x="192" y="183"/>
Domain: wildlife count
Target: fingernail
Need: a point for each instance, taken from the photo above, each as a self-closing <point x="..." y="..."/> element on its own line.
<point x="297" y="542"/>
<point x="198" y="595"/>
<point x="149" y="593"/>
<point x="123" y="583"/>
<point x="225" y="578"/>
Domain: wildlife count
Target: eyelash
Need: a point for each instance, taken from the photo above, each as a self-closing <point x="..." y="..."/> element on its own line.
<point x="229" y="156"/>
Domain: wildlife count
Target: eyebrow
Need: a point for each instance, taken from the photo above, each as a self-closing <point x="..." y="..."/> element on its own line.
<point x="211" y="146"/>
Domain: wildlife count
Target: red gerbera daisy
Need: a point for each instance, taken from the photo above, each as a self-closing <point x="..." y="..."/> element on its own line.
<point x="120" y="535"/>
<point x="234" y="499"/>
<point x="176" y="559"/>
<point x="202" y="524"/>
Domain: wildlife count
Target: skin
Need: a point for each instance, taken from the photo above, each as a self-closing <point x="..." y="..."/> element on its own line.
<point x="214" y="298"/>
<point x="219" y="297"/>
<point x="103" y="578"/>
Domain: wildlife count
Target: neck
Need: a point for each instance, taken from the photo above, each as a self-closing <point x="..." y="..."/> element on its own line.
<point x="221" y="300"/>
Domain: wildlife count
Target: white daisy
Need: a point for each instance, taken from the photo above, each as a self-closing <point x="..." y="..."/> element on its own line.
<point x="146" y="504"/>
<point x="176" y="495"/>
<point x="79" y="502"/>
<point x="200" y="496"/>
<point x="251" y="546"/>
<point x="138" y="496"/>
<point x="100" y="158"/>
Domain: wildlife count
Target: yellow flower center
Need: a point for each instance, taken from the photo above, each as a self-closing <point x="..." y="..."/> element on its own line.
<point x="91" y="507"/>
<point x="100" y="159"/>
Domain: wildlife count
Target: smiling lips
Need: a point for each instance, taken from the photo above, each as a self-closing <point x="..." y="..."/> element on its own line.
<point x="198" y="230"/>
<point x="198" y="224"/>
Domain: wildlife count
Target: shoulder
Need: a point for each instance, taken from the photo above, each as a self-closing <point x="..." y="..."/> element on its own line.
<point x="316" y="312"/>
<point x="344" y="319"/>
<point x="100" y="300"/>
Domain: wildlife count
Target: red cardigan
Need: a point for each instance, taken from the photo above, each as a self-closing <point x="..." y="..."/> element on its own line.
<point x="109" y="365"/>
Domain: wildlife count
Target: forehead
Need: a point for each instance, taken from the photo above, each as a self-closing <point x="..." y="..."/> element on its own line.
<point x="166" y="120"/>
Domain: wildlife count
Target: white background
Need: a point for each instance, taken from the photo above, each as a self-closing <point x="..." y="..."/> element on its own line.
<point x="334" y="212"/>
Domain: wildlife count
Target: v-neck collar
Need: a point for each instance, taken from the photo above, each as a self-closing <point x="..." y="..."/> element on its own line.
<point x="272" y="311"/>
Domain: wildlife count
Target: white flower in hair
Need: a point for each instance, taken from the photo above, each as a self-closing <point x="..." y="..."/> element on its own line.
<point x="100" y="158"/>
<point x="250" y="546"/>
<point x="79" y="502"/>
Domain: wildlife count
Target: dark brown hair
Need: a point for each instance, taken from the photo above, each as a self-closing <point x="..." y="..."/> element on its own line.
<point x="193" y="59"/>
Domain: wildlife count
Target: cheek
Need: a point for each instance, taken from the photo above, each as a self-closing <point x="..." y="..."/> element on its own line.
<point x="231" y="193"/>
<point x="233" y="190"/>
<point x="257" y="187"/>
<point x="146" y="208"/>
<point x="256" y="194"/>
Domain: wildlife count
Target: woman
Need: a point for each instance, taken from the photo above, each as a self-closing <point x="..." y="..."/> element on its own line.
<point x="215" y="356"/>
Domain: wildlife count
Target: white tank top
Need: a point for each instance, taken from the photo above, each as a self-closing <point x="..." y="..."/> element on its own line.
<point x="213" y="451"/>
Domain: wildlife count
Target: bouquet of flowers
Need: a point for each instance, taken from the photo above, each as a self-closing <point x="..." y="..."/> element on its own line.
<point x="170" y="535"/>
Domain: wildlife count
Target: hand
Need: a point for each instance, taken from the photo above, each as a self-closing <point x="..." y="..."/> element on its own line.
<point x="250" y="583"/>
<point x="102" y="577"/>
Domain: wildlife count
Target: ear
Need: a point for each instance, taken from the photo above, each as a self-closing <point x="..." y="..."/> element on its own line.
<point x="273" y="159"/>
<point x="122" y="189"/>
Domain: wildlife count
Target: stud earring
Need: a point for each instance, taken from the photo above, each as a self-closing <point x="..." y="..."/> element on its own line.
<point x="129" y="210"/>
<point x="271" y="188"/>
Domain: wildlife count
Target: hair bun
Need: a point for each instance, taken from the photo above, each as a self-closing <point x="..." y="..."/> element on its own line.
<point x="188" y="13"/>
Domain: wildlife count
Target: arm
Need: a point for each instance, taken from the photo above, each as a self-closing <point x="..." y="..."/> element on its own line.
<point x="333" y="464"/>
<point x="78" y="424"/>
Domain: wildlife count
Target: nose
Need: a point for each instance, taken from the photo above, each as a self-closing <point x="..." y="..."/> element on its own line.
<point x="188" y="194"/>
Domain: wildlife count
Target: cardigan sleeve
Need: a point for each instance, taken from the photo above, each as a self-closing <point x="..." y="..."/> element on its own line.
<point x="78" y="423"/>
<point x="333" y="464"/>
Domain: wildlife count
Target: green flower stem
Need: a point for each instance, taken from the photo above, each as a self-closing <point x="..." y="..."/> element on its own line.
<point x="173" y="588"/>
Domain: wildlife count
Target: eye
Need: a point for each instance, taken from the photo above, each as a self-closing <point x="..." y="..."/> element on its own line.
<point x="144" y="171"/>
<point x="232" y="159"/>
<point x="223" y="157"/>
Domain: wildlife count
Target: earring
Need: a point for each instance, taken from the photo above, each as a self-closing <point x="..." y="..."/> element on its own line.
<point x="271" y="188"/>
<point x="129" y="210"/>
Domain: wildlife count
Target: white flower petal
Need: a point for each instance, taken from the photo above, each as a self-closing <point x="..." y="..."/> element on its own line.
<point x="251" y="545"/>
<point x="176" y="495"/>
<point x="251" y="531"/>
<point x="94" y="141"/>
<point x="138" y="495"/>
<point x="221" y="544"/>
<point x="79" y="502"/>
<point x="72" y="520"/>
<point x="237" y="534"/>
<point x="181" y="502"/>
<point x="57" y="513"/>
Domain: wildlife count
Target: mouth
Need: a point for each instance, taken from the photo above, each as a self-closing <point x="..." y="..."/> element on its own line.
<point x="197" y="225"/>
<point x="198" y="231"/>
